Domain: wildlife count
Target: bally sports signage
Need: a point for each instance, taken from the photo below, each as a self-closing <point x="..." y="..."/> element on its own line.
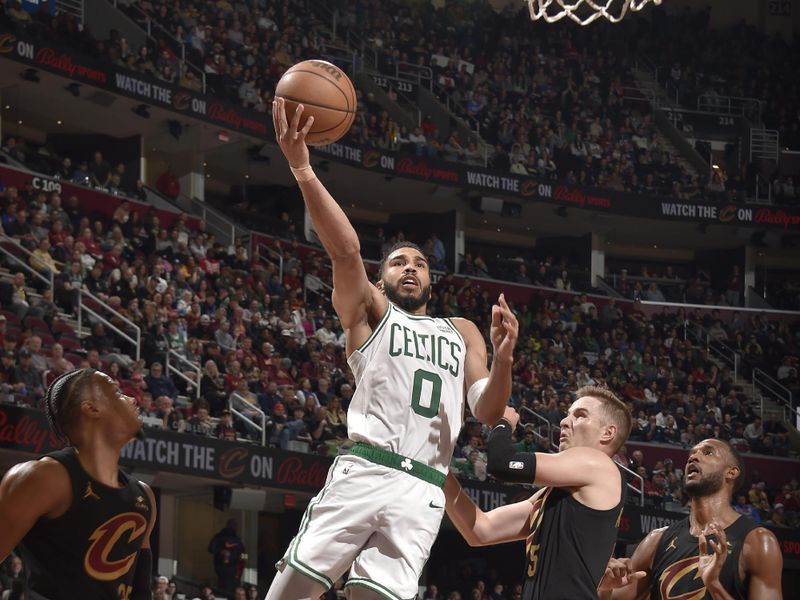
<point x="84" y="69"/>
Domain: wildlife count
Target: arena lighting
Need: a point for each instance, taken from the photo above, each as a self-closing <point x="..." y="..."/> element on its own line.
<point x="142" y="110"/>
<point x="74" y="89"/>
<point x="30" y="75"/>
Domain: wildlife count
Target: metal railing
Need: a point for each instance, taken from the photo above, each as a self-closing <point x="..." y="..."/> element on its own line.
<point x="413" y="73"/>
<point x="180" y="360"/>
<point x="762" y="382"/>
<point x="5" y="240"/>
<point x="149" y="25"/>
<point x="715" y="348"/>
<point x="261" y="252"/>
<point x="554" y="447"/>
<point x="221" y="226"/>
<point x="73" y="7"/>
<point x="729" y="105"/>
<point x="315" y="285"/>
<point x="239" y="414"/>
<point x="83" y="306"/>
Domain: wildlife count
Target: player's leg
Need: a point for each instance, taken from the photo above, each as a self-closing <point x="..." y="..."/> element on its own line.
<point x="336" y="524"/>
<point x="391" y="562"/>
<point x="289" y="584"/>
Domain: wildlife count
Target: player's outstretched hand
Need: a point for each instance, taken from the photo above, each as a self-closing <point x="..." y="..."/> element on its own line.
<point x="291" y="140"/>
<point x="618" y="574"/>
<point x="710" y="564"/>
<point x="504" y="330"/>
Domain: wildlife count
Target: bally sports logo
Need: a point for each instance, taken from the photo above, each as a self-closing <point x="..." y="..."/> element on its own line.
<point x="97" y="562"/>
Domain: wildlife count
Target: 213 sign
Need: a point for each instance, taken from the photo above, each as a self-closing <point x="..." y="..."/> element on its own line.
<point x="780" y="8"/>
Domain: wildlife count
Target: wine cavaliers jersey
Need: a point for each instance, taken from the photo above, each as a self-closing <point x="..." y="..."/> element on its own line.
<point x="675" y="563"/>
<point x="569" y="546"/>
<point x="91" y="550"/>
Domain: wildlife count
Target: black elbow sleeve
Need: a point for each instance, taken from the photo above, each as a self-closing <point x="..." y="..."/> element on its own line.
<point x="504" y="462"/>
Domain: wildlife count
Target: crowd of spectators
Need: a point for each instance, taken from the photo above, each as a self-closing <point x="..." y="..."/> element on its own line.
<point x="261" y="348"/>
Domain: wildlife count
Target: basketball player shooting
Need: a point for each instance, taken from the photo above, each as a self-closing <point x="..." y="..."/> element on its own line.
<point x="82" y="525"/>
<point x="714" y="553"/>
<point x="381" y="507"/>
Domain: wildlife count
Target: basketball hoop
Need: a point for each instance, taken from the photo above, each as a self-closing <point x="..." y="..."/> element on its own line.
<point x="584" y="12"/>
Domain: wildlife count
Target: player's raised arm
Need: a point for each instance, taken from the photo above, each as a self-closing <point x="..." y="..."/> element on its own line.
<point x="356" y="300"/>
<point x="488" y="390"/>
<point x="28" y="492"/>
<point x="630" y="578"/>
<point x="504" y="524"/>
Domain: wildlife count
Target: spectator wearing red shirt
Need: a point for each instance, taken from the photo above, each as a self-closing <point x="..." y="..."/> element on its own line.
<point x="168" y="183"/>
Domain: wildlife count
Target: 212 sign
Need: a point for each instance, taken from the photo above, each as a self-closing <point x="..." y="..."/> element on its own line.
<point x="780" y="8"/>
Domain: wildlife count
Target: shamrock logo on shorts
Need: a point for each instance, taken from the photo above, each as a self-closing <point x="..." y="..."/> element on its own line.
<point x="406" y="464"/>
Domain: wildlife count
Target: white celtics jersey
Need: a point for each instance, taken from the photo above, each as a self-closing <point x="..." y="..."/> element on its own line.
<point x="409" y="396"/>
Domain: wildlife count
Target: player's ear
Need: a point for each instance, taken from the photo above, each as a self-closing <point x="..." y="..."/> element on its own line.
<point x="379" y="284"/>
<point x="609" y="433"/>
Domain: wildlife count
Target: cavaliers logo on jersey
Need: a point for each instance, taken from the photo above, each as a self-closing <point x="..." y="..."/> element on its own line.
<point x="121" y="530"/>
<point x="681" y="581"/>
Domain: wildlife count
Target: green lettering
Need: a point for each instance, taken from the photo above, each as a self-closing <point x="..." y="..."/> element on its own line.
<point x="416" y="346"/>
<point x="391" y="340"/>
<point x="439" y="341"/>
<point x="407" y="341"/>
<point x="455" y="349"/>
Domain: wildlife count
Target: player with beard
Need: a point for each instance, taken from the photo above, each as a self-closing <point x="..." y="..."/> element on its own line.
<point x="83" y="527"/>
<point x="713" y="553"/>
<point x="381" y="507"/>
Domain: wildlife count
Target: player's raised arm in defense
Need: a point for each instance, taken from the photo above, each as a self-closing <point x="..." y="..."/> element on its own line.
<point x="488" y="390"/>
<point x="357" y="302"/>
<point x="504" y="524"/>
<point x="630" y="578"/>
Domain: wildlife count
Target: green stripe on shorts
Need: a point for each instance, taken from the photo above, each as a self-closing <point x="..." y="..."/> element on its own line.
<point x="291" y="555"/>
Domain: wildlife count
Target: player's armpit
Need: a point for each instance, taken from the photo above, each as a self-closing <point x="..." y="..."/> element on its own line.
<point x="353" y="294"/>
<point x="28" y="492"/>
<point x="153" y="514"/>
<point x="764" y="564"/>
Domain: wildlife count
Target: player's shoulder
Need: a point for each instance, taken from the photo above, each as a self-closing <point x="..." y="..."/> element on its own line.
<point x="760" y="542"/>
<point x="465" y="327"/>
<point x="45" y="477"/>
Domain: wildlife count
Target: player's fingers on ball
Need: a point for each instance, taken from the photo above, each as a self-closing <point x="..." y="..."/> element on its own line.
<point x="282" y="116"/>
<point x="296" y="118"/>
<point x="307" y="126"/>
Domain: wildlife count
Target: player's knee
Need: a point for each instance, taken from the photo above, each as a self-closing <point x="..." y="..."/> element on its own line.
<point x="293" y="585"/>
<point x="353" y="592"/>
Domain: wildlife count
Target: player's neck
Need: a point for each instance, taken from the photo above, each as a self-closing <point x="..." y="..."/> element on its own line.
<point x="100" y="462"/>
<point x="705" y="510"/>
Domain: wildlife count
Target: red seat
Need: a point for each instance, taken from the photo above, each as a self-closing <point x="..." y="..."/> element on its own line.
<point x="75" y="359"/>
<point x="11" y="317"/>
<point x="69" y="343"/>
<point x="62" y="327"/>
<point x="36" y="323"/>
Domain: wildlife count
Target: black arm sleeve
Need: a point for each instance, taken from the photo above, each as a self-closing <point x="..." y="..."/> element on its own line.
<point x="143" y="576"/>
<point x="504" y="462"/>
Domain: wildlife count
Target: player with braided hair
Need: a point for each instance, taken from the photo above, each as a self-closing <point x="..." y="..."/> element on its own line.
<point x="82" y="526"/>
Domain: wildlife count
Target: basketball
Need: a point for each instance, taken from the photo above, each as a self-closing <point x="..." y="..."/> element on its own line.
<point x="326" y="92"/>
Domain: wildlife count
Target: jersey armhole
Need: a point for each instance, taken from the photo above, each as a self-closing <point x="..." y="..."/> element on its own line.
<point x="375" y="331"/>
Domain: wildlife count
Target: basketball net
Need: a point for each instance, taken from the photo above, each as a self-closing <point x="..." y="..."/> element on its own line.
<point x="584" y="12"/>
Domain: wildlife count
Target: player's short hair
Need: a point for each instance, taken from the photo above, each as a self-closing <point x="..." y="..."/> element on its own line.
<point x="614" y="409"/>
<point x="738" y="463"/>
<point x="63" y="398"/>
<point x="394" y="247"/>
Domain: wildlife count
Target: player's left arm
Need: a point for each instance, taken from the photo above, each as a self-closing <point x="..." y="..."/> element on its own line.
<point x="143" y="576"/>
<point x="488" y="390"/>
<point x="764" y="564"/>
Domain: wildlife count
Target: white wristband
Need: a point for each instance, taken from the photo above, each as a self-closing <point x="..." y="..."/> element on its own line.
<point x="475" y="392"/>
<point x="303" y="173"/>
